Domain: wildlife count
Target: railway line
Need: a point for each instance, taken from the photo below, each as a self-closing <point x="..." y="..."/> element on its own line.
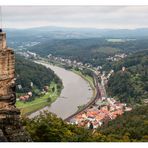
<point x="91" y="102"/>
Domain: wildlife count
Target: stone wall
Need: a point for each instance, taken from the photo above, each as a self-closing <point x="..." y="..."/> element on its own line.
<point x="10" y="125"/>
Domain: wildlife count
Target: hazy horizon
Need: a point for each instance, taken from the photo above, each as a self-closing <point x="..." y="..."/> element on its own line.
<point x="74" y="28"/>
<point x="96" y="17"/>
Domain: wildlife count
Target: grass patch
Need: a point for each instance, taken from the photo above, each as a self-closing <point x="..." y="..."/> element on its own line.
<point x="39" y="102"/>
<point x="116" y="40"/>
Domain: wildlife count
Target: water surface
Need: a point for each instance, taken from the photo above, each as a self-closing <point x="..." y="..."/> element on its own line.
<point x="76" y="92"/>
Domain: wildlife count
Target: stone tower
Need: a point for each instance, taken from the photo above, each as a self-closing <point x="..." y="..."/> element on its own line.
<point x="10" y="126"/>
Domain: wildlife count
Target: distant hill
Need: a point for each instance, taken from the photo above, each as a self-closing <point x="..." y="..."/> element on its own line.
<point x="67" y="33"/>
<point x="15" y="37"/>
<point x="85" y="44"/>
<point x="91" y="50"/>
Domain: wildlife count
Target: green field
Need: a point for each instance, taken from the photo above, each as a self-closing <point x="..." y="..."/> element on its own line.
<point x="39" y="102"/>
<point x="116" y="40"/>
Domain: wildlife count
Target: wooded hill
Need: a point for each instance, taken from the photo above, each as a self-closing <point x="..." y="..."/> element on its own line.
<point x="131" y="85"/>
<point x="28" y="71"/>
<point x="91" y="50"/>
<point x="131" y="127"/>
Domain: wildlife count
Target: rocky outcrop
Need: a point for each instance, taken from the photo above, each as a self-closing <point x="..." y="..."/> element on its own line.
<point x="10" y="125"/>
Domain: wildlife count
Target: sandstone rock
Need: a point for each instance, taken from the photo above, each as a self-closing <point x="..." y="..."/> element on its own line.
<point x="10" y="125"/>
<point x="2" y="137"/>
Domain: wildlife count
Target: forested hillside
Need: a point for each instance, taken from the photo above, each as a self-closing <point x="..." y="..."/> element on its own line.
<point x="92" y="50"/>
<point x="28" y="71"/>
<point x="131" y="85"/>
<point x="132" y="126"/>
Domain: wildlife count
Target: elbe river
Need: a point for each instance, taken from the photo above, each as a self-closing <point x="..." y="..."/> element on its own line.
<point x="76" y="92"/>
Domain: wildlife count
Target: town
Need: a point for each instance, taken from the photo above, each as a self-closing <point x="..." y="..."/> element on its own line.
<point x="105" y="108"/>
<point x="101" y="113"/>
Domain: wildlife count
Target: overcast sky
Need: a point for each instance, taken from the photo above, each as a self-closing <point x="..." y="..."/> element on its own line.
<point x="75" y="16"/>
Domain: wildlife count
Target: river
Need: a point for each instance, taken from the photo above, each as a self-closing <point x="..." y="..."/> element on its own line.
<point x="76" y="92"/>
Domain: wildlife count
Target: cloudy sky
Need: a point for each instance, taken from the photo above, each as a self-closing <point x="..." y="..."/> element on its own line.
<point x="75" y="16"/>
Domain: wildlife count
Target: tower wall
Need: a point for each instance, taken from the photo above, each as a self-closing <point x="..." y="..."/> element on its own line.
<point x="2" y="40"/>
<point x="10" y="126"/>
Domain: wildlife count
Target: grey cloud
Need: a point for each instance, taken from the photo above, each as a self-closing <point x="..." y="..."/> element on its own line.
<point x="75" y="16"/>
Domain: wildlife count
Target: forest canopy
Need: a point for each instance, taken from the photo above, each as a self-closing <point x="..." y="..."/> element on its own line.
<point x="131" y="85"/>
<point x="28" y="71"/>
<point x="131" y="127"/>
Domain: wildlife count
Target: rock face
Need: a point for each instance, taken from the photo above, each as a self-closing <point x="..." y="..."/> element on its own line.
<point x="10" y="126"/>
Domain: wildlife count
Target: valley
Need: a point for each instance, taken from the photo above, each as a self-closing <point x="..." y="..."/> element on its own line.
<point x="74" y="73"/>
<point x="76" y="91"/>
<point x="87" y="84"/>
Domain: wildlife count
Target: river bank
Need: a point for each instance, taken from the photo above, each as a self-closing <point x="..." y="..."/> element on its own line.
<point x="37" y="103"/>
<point x="89" y="80"/>
<point x="76" y="91"/>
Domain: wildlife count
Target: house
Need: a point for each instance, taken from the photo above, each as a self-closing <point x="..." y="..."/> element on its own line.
<point x="46" y="88"/>
<point x="24" y="98"/>
<point x="104" y="108"/>
<point x="21" y="98"/>
<point x="84" y="116"/>
<point x="95" y="125"/>
<point x="123" y="68"/>
<point x="127" y="109"/>
<point x="112" y="108"/>
<point x="30" y="94"/>
<point x="100" y="123"/>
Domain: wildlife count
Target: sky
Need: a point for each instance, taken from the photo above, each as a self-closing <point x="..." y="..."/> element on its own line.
<point x="115" y="17"/>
